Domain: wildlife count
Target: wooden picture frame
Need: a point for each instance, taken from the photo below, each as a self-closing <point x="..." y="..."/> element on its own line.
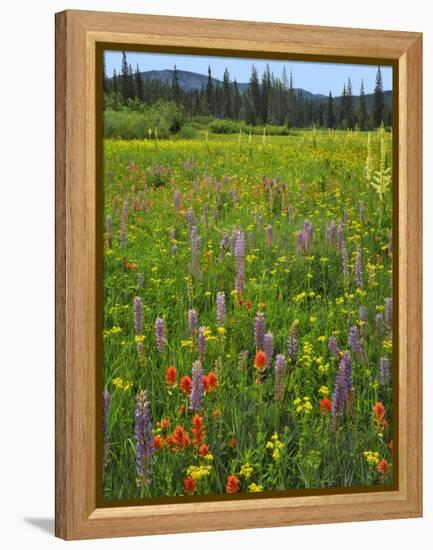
<point x="78" y="36"/>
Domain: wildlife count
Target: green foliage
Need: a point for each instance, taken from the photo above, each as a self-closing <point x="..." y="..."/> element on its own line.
<point x="133" y="120"/>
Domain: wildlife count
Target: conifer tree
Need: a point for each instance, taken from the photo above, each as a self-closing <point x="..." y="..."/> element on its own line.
<point x="255" y="96"/>
<point x="124" y="77"/>
<point x="175" y="87"/>
<point x="349" y="106"/>
<point x="209" y="92"/>
<point x="330" y="115"/>
<point x="362" y="111"/>
<point x="227" y="101"/>
<point x="378" y="100"/>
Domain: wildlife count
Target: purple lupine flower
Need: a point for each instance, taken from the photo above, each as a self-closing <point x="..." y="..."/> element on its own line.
<point x="195" y="250"/>
<point x="307" y="236"/>
<point x="233" y="197"/>
<point x="192" y="322"/>
<point x="343" y="384"/>
<point x="388" y="315"/>
<point x="216" y="214"/>
<point x="220" y="308"/>
<point x="268" y="346"/>
<point x="160" y="334"/>
<point x="292" y="343"/>
<point x="290" y="213"/>
<point x="201" y="342"/>
<point x="106" y="400"/>
<point x="353" y="339"/>
<point x="144" y="447"/>
<point x="122" y="232"/>
<point x="138" y="315"/>
<point x="269" y="235"/>
<point x="340" y="237"/>
<point x="224" y="244"/>
<point x="300" y="241"/>
<point x="280" y="371"/>
<point x="259" y="330"/>
<point x="379" y="324"/>
<point x="110" y="231"/>
<point x="384" y="370"/>
<point x="239" y="253"/>
<point x="196" y="397"/>
<point x="345" y="258"/>
<point x="361" y="211"/>
<point x="347" y="359"/>
<point x="333" y="346"/>
<point x="333" y="232"/>
<point x="358" y="267"/>
<point x="125" y="212"/>
<point x="177" y="200"/>
<point x="190" y="219"/>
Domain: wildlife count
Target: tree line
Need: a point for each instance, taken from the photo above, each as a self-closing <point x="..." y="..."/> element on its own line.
<point x="266" y="100"/>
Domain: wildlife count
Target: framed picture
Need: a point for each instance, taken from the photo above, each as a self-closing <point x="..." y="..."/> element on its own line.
<point x="238" y="274"/>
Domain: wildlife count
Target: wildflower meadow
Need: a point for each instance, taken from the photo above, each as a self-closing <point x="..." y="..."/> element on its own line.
<point x="248" y="313"/>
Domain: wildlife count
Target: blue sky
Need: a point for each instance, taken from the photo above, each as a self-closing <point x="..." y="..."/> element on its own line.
<point x="314" y="77"/>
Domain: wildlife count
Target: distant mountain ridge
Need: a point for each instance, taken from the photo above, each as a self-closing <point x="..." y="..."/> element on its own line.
<point x="195" y="81"/>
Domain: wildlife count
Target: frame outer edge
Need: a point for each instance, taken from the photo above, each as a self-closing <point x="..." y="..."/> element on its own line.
<point x="60" y="276"/>
<point x="414" y="304"/>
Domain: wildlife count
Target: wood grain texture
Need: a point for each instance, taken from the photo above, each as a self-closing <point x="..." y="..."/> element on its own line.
<point x="77" y="34"/>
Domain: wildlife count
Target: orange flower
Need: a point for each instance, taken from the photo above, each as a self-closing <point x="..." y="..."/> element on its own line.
<point x="186" y="385"/>
<point x="179" y="439"/>
<point x="198" y="430"/>
<point x="325" y="406"/>
<point x="130" y="265"/>
<point x="389" y="445"/>
<point x="379" y="416"/>
<point x="210" y="382"/>
<point x="248" y="305"/>
<point x="260" y="361"/>
<point x="158" y="442"/>
<point x="232" y="442"/>
<point x="164" y="424"/>
<point x="216" y="413"/>
<point x="232" y="485"/>
<point x="379" y="410"/>
<point x="171" y="376"/>
<point x="383" y="467"/>
<point x="204" y="450"/>
<point x="189" y="485"/>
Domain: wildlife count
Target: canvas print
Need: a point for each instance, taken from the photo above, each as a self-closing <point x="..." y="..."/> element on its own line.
<point x="247" y="276"/>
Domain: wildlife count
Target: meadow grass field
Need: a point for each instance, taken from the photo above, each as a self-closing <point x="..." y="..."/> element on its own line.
<point x="247" y="314"/>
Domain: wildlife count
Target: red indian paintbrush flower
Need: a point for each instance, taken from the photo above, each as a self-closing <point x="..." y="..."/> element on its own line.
<point x="179" y="439"/>
<point x="171" y="376"/>
<point x="186" y="385"/>
<point x="210" y="382"/>
<point x="325" y="405"/>
<point x="189" y="485"/>
<point x="204" y="450"/>
<point x="158" y="442"/>
<point x="198" y="430"/>
<point x="232" y="485"/>
<point x="260" y="361"/>
<point x="383" y="467"/>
